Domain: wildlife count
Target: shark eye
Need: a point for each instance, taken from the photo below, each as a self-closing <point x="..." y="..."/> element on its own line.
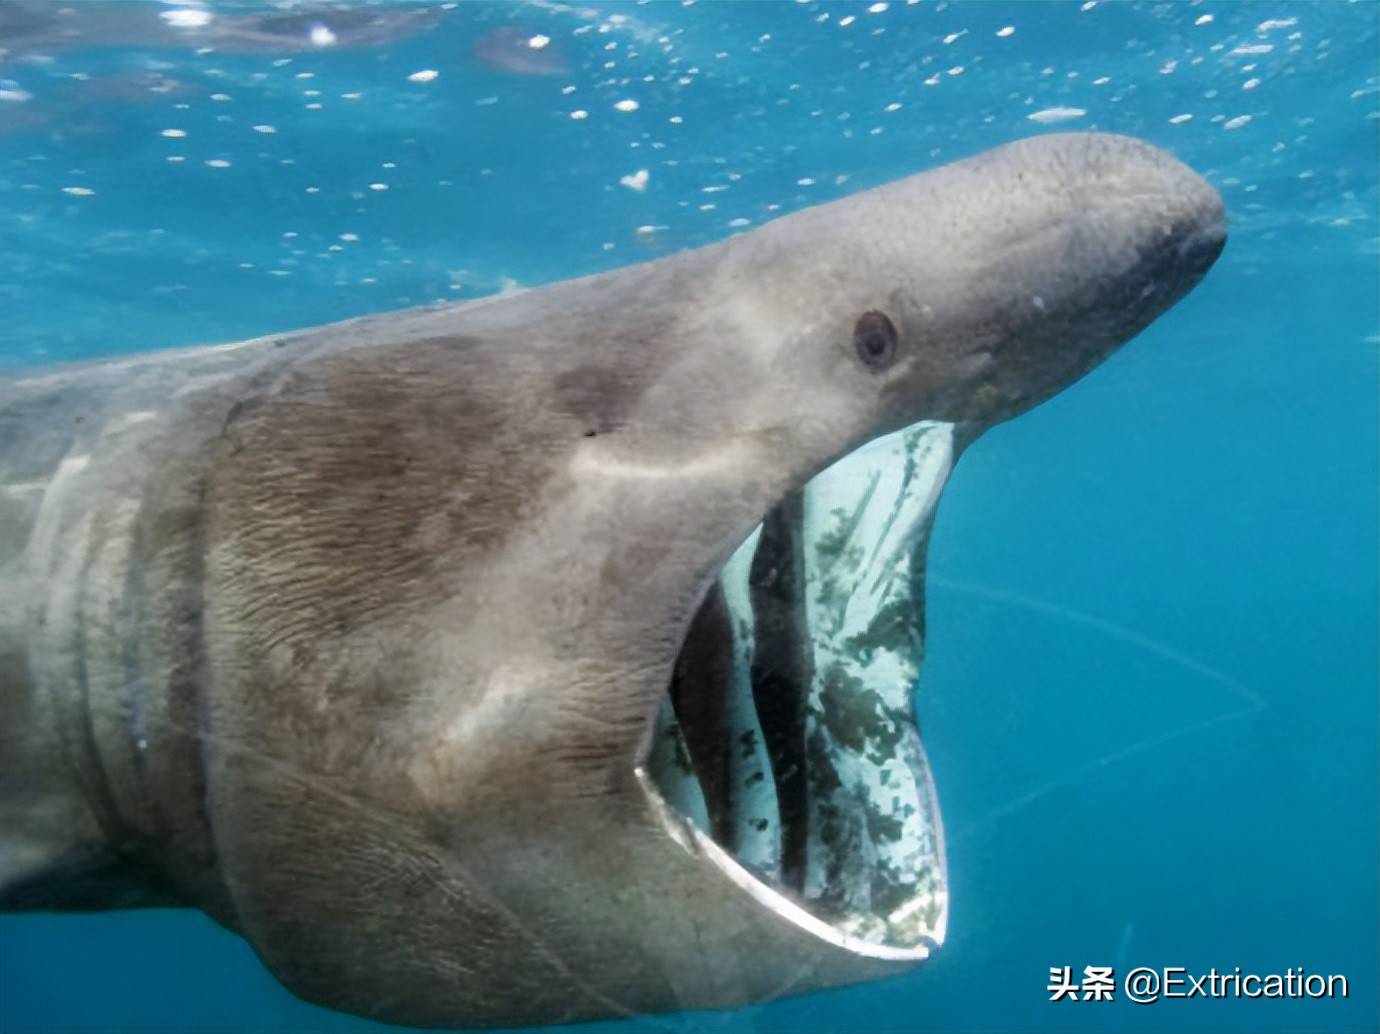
<point x="874" y="339"/>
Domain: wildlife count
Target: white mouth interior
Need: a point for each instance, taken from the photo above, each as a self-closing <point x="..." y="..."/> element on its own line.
<point x="873" y="875"/>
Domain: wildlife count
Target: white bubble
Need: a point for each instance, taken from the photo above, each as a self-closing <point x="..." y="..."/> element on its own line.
<point x="1007" y="30"/>
<point x="877" y="8"/>
<point x="539" y="42"/>
<point x="426" y="75"/>
<point x="217" y="163"/>
<point x="636" y="181"/>
<point x="1179" y="120"/>
<point x="1250" y="84"/>
<point x="1236" y="123"/>
<point x="321" y="36"/>
<point x="1057" y="114"/>
<point x="1203" y="19"/>
<point x="264" y="129"/>
<point x="78" y="191"/>
<point x="173" y="133"/>
<point x="349" y="236"/>
<point x="845" y="22"/>
<point x="893" y="106"/>
<point x="378" y="186"/>
<point x="579" y="114"/>
<point x="187" y="18"/>
<point x="627" y="104"/>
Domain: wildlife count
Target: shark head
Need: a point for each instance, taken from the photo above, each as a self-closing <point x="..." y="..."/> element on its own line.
<point x="879" y="335"/>
<point x="595" y="612"/>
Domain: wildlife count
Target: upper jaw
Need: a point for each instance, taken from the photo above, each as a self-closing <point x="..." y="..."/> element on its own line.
<point x="787" y="754"/>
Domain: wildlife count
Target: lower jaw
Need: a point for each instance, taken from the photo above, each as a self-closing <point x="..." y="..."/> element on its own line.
<point x="787" y="753"/>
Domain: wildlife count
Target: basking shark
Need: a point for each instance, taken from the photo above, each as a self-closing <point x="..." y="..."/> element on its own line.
<point x="551" y="656"/>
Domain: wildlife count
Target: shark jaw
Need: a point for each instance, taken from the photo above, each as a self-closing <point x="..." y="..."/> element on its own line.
<point x="786" y="752"/>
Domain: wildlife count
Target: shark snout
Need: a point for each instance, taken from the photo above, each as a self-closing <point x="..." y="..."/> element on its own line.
<point x="1168" y="213"/>
<point x="1194" y="232"/>
<point x="1093" y="237"/>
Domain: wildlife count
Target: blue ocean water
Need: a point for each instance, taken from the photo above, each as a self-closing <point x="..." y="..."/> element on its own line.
<point x="1151" y="690"/>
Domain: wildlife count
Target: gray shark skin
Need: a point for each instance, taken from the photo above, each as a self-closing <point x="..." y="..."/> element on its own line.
<point x="549" y="657"/>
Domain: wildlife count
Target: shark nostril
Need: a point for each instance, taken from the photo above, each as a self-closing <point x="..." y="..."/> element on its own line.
<point x="1201" y="247"/>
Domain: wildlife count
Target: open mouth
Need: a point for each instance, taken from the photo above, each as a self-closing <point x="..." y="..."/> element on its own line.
<point x="786" y="751"/>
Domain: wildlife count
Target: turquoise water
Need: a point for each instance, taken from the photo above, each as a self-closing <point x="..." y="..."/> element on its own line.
<point x="1151" y="690"/>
